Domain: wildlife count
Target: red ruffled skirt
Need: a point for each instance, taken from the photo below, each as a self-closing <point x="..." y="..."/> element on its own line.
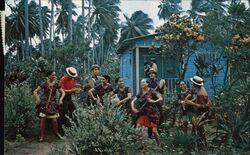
<point x="144" y="120"/>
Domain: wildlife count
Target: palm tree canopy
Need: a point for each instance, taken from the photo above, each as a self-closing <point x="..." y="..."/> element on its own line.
<point x="105" y="17"/>
<point x="167" y="8"/>
<point x="63" y="15"/>
<point x="16" y="25"/>
<point x="137" y="25"/>
<point x="204" y="6"/>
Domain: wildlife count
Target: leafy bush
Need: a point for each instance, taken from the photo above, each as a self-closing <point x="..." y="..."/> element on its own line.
<point x="230" y="112"/>
<point x="177" y="141"/>
<point x="58" y="149"/>
<point x="19" y="109"/>
<point x="102" y="130"/>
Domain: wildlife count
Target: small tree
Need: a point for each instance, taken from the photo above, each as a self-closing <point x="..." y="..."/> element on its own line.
<point x="179" y="37"/>
<point x="19" y="110"/>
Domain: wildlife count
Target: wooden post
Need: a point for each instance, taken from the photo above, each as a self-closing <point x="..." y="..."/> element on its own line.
<point x="137" y="69"/>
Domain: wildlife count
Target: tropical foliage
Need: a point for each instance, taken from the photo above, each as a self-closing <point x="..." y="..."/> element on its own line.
<point x="137" y="25"/>
<point x="19" y="110"/>
<point x="167" y="8"/>
<point x="41" y="38"/>
<point x="179" y="37"/>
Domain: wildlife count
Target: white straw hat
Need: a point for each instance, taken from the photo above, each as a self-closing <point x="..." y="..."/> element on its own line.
<point x="71" y="71"/>
<point x="197" y="80"/>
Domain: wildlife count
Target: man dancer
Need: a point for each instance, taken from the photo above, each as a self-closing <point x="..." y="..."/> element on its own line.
<point x="92" y="81"/>
<point x="67" y="83"/>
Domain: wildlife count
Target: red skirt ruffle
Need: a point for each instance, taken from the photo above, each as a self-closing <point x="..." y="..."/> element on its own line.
<point x="144" y="120"/>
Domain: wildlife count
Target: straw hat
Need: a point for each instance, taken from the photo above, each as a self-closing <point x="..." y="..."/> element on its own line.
<point x="153" y="59"/>
<point x="152" y="71"/>
<point x="95" y="66"/>
<point x="197" y="80"/>
<point x="71" y="71"/>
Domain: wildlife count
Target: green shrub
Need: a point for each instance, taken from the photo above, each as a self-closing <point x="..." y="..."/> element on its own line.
<point x="58" y="149"/>
<point x="176" y="141"/>
<point x="102" y="130"/>
<point x="19" y="110"/>
<point x="230" y="112"/>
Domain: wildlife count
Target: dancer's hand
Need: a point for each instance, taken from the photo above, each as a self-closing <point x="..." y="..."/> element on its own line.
<point x="77" y="90"/>
<point x="150" y="100"/>
<point x="60" y="102"/>
<point x="134" y="110"/>
<point x="38" y="100"/>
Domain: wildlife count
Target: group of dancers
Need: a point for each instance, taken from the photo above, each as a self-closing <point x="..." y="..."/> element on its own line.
<point x="145" y="107"/>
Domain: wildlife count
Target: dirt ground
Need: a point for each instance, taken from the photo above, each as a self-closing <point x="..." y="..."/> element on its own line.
<point x="31" y="145"/>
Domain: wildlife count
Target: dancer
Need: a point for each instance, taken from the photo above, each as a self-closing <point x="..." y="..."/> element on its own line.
<point x="157" y="85"/>
<point x="123" y="94"/>
<point x="92" y="81"/>
<point x="153" y="64"/>
<point x="47" y="106"/>
<point x="200" y="105"/>
<point x="101" y="90"/>
<point x="148" y="113"/>
<point x="67" y="83"/>
<point x="186" y="111"/>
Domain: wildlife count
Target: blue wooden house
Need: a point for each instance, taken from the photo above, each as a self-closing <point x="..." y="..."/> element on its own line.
<point x="135" y="52"/>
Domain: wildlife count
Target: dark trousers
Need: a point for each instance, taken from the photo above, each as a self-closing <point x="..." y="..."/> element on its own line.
<point x="67" y="109"/>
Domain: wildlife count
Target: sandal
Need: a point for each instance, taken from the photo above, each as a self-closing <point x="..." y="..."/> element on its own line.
<point x="60" y="136"/>
<point x="41" y="140"/>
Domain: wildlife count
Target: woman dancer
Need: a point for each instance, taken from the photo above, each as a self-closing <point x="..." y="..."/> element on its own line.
<point x="148" y="113"/>
<point x="47" y="106"/>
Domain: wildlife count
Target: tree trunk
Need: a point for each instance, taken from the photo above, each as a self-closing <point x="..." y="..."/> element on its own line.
<point x="70" y="20"/>
<point x="51" y="25"/>
<point x="83" y="20"/>
<point x="26" y="27"/>
<point x="102" y="55"/>
<point x="41" y="28"/>
<point x="23" y="48"/>
<point x="53" y="29"/>
<point x="89" y="21"/>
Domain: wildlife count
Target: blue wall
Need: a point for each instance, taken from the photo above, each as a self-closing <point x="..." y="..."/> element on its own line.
<point x="212" y="54"/>
<point x="168" y="67"/>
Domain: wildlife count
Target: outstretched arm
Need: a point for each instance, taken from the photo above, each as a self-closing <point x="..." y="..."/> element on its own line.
<point x="62" y="95"/>
<point x="124" y="100"/>
<point x="133" y="106"/>
<point x="91" y="93"/>
<point x="35" y="93"/>
<point x="202" y="106"/>
<point x="159" y="99"/>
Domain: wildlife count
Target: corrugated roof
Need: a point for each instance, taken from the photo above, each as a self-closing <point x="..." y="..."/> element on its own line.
<point x="125" y="43"/>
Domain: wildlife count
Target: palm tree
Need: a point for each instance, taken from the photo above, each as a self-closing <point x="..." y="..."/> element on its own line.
<point x="63" y="18"/>
<point x="26" y="5"/>
<point x="83" y="20"/>
<point x="104" y="19"/>
<point x="70" y="20"/>
<point x="16" y="25"/>
<point x="51" y="24"/>
<point x="169" y="7"/>
<point x="137" y="25"/>
<point x="41" y="28"/>
<point x="198" y="7"/>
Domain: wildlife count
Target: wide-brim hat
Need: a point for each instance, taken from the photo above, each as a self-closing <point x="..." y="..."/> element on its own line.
<point x="152" y="71"/>
<point x="95" y="66"/>
<point x="71" y="71"/>
<point x="197" y="80"/>
<point x="153" y="59"/>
